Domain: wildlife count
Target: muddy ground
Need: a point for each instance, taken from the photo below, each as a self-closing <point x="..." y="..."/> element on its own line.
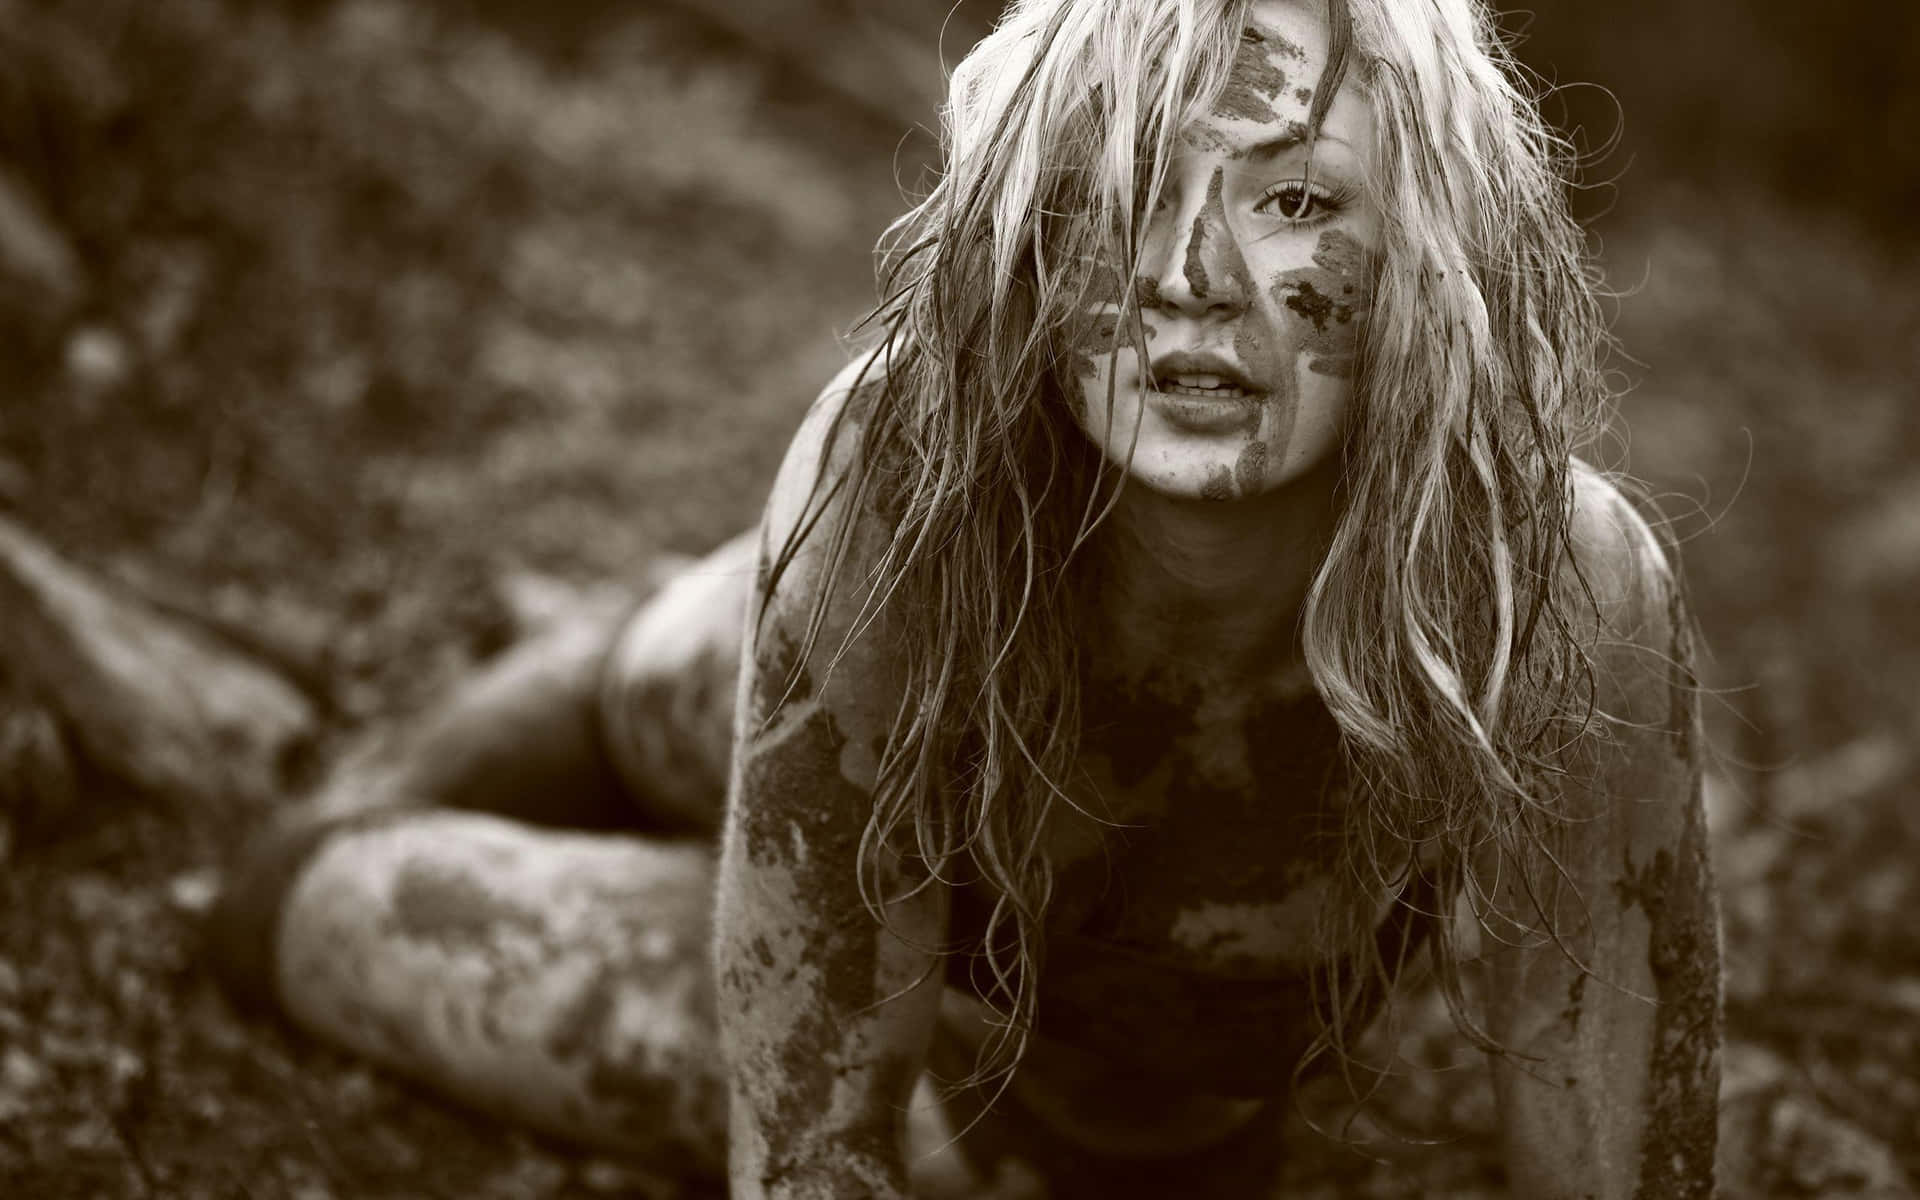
<point x="367" y="322"/>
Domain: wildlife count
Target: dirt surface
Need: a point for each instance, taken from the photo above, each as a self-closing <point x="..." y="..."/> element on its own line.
<point x="364" y="325"/>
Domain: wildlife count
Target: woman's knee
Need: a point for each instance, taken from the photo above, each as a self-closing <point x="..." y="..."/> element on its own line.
<point x="666" y="701"/>
<point x="241" y="934"/>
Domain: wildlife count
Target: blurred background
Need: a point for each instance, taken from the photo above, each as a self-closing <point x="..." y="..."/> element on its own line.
<point x="361" y="330"/>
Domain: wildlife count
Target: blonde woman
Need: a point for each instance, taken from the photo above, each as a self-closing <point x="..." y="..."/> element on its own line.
<point x="1190" y="611"/>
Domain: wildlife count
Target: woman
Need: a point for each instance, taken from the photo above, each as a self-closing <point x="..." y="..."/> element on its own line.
<point x="1191" y="610"/>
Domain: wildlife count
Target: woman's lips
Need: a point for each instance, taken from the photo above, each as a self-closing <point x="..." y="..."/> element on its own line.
<point x="1206" y="410"/>
<point x="1199" y="392"/>
<point x="1200" y="372"/>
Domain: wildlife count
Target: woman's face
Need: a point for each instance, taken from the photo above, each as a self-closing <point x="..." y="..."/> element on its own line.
<point x="1254" y="285"/>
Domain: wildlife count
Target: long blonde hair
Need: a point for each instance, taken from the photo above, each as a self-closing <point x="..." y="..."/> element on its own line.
<point x="1436" y="629"/>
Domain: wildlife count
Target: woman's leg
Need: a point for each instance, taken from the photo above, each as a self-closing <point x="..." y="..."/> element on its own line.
<point x="423" y="908"/>
<point x="556" y="979"/>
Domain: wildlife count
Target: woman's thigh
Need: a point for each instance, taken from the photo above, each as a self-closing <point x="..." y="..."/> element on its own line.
<point x="616" y="715"/>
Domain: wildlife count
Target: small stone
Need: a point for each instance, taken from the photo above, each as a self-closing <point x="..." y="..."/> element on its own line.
<point x="20" y="1071"/>
<point x="124" y="1070"/>
<point x="1905" y="993"/>
<point x="207" y="1107"/>
<point x="91" y="1136"/>
<point x="194" y="891"/>
<point x="97" y="359"/>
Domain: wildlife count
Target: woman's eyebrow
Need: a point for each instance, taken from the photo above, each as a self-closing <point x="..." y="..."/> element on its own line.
<point x="1291" y="138"/>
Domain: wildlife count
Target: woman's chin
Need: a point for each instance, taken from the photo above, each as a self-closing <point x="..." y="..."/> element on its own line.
<point x="1217" y="471"/>
<point x="1205" y="480"/>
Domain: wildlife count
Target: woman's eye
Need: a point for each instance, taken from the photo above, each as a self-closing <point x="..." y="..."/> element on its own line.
<point x="1295" y="201"/>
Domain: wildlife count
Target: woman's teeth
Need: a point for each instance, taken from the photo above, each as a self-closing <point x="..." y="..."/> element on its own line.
<point x="1210" y="386"/>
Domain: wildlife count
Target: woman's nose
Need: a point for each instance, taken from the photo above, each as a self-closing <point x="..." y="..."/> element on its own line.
<point x="1200" y="270"/>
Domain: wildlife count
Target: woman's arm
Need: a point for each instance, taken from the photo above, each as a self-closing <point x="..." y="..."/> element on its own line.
<point x="1612" y="1088"/>
<point x="826" y="1016"/>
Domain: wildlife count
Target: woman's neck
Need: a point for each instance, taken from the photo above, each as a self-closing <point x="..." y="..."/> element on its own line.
<point x="1208" y="582"/>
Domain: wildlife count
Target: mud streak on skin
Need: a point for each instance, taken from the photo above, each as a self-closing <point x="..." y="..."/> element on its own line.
<point x="1268" y="359"/>
<point x="1675" y="891"/>
<point x="1251" y="467"/>
<point x="1576" y="997"/>
<point x="1211" y="217"/>
<point x="1678" y="1145"/>
<point x="1254" y="82"/>
<point x="1146" y="293"/>
<point x="1333" y="298"/>
<point x="1676" y="1158"/>
<point x="1092" y="337"/>
<point x="677" y="1109"/>
<point x="807" y="827"/>
<point x="432" y="903"/>
<point x="783" y="678"/>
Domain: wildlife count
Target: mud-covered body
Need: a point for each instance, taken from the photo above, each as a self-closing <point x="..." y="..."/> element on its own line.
<point x="1191" y="875"/>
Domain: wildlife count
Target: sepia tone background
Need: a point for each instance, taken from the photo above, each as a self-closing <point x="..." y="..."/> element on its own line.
<point x="365" y="331"/>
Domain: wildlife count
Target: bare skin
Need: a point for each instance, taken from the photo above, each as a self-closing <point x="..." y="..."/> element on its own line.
<point x="1172" y="1002"/>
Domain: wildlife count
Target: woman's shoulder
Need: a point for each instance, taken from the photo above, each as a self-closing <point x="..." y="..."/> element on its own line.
<point x="818" y="473"/>
<point x="823" y="536"/>
<point x="1620" y="561"/>
<point x="1624" y="576"/>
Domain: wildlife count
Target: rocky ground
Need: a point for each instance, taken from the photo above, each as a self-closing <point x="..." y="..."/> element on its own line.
<point x="367" y="327"/>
